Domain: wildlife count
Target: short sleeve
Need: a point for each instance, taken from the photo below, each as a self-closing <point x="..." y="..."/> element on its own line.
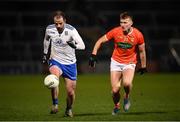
<point x="110" y="34"/>
<point x="140" y="38"/>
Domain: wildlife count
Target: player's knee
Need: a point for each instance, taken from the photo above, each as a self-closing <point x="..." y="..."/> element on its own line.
<point x="127" y="84"/>
<point x="55" y="70"/>
<point x="71" y="93"/>
<point x="115" y="90"/>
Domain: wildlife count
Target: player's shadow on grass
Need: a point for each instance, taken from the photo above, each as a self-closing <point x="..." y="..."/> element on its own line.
<point x="122" y="113"/>
<point x="92" y="114"/>
<point x="143" y="113"/>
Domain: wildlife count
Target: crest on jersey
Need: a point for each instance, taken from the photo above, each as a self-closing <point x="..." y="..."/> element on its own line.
<point x="66" y="33"/>
<point x="132" y="39"/>
<point x="58" y="42"/>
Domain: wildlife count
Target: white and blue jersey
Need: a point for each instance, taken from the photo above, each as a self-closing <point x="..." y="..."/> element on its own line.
<point x="60" y="50"/>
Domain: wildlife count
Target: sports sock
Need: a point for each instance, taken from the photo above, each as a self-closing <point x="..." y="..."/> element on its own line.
<point x="117" y="105"/>
<point x="55" y="101"/>
<point x="126" y="96"/>
<point x="127" y="90"/>
<point x="116" y="98"/>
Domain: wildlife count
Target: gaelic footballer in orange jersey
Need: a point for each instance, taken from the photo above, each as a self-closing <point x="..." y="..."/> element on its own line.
<point x="125" y="45"/>
<point x="124" y="58"/>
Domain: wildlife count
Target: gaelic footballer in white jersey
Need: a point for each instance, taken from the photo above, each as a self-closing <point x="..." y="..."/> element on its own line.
<point x="60" y="42"/>
<point x="60" y="49"/>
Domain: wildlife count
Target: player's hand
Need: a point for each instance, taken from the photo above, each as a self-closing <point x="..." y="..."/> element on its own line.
<point x="44" y="59"/>
<point x="92" y="60"/>
<point x="71" y="43"/>
<point x="142" y="71"/>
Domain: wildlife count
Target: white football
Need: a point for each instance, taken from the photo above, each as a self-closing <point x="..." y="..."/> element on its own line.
<point x="51" y="81"/>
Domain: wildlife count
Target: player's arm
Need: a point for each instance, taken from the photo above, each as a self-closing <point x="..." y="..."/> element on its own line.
<point x="92" y="59"/>
<point x="76" y="41"/>
<point x="142" y="54"/>
<point x="101" y="40"/>
<point x="79" y="42"/>
<point x="46" y="46"/>
<point x="46" y="42"/>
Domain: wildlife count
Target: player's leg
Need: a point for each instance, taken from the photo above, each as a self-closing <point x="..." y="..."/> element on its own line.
<point x="55" y="91"/>
<point x="116" y="76"/>
<point x="115" y="85"/>
<point x="128" y="75"/>
<point x="70" y="77"/>
<point x="70" y="89"/>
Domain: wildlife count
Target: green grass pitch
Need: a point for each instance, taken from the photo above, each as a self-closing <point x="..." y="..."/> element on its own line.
<point x="153" y="97"/>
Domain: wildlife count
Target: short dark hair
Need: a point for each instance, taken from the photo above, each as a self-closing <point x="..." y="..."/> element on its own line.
<point x="59" y="14"/>
<point x="125" y="15"/>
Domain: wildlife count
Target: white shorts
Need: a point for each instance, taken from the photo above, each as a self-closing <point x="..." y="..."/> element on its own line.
<point x="116" y="66"/>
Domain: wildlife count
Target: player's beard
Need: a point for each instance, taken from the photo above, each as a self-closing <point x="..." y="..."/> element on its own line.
<point x="60" y="30"/>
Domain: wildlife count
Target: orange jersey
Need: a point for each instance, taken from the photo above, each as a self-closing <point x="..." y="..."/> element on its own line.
<point x="125" y="45"/>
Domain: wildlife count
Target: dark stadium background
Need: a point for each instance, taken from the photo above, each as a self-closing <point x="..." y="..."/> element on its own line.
<point x="23" y="23"/>
<point x="23" y="96"/>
